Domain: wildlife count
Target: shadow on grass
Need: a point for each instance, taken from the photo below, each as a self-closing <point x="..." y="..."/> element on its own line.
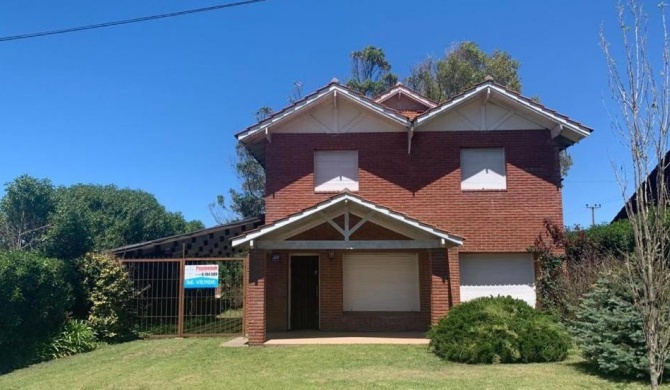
<point x="621" y="380"/>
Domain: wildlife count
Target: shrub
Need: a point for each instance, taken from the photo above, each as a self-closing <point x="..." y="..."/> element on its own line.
<point x="75" y="336"/>
<point x="608" y="329"/>
<point x="34" y="298"/>
<point x="498" y="330"/>
<point x="110" y="293"/>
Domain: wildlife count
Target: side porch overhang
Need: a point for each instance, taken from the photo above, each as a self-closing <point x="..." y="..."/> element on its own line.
<point x="348" y="218"/>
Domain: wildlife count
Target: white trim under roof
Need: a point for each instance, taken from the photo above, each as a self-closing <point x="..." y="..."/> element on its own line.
<point x="402" y="89"/>
<point x="333" y="89"/>
<point x="565" y="124"/>
<point x="443" y="236"/>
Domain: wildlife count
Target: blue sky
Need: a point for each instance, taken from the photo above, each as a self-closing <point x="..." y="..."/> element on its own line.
<point x="155" y="105"/>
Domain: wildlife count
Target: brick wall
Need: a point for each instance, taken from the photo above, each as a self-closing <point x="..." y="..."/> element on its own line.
<point x="332" y="315"/>
<point x="426" y="183"/>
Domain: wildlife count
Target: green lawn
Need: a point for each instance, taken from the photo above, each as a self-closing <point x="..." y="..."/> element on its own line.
<point x="201" y="363"/>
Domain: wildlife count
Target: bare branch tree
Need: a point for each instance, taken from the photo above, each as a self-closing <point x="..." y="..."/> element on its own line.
<point x="642" y="97"/>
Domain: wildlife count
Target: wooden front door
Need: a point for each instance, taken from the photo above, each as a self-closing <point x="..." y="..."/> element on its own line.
<point x="304" y="311"/>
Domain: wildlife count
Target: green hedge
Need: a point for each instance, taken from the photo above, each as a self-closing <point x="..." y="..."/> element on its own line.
<point x="34" y="298"/>
<point x="110" y="293"/>
<point x="499" y="330"/>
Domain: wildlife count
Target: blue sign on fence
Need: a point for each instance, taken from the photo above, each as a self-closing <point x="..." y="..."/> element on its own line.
<point x="201" y="276"/>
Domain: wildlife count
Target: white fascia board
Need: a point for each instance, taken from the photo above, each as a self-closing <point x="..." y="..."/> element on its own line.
<point x="261" y="127"/>
<point x="432" y="115"/>
<point x="384" y="211"/>
<point x="408" y="92"/>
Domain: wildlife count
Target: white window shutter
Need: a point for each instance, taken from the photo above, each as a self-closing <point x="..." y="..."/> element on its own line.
<point x="483" y="169"/>
<point x="335" y="170"/>
<point x="381" y="282"/>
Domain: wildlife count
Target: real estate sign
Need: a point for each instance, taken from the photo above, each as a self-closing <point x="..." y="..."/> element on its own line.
<point x="201" y="276"/>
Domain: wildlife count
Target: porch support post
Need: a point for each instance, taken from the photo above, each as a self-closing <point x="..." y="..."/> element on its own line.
<point x="439" y="286"/>
<point x="454" y="276"/>
<point x="255" y="298"/>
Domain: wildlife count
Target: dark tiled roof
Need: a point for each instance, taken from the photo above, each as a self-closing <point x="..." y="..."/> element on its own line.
<point x="210" y="242"/>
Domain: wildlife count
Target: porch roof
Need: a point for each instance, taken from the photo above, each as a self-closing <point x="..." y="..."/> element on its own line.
<point x="420" y="234"/>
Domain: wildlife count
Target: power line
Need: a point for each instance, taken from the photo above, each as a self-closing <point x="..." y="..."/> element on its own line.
<point x="127" y="21"/>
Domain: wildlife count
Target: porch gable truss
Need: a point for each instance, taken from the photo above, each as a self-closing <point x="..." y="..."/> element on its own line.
<point x="347" y="214"/>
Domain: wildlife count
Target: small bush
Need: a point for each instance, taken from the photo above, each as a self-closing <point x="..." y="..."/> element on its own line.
<point x="34" y="298"/>
<point x="498" y="330"/>
<point x="111" y="293"/>
<point x="608" y="329"/>
<point x="75" y="336"/>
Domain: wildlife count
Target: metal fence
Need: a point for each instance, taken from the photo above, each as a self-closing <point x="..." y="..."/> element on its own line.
<point x="167" y="307"/>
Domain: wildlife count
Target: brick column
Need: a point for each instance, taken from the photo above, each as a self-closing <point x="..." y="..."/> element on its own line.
<point x="255" y="298"/>
<point x="454" y="276"/>
<point x="439" y="286"/>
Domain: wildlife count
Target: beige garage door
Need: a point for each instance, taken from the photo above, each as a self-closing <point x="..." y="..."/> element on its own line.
<point x="495" y="274"/>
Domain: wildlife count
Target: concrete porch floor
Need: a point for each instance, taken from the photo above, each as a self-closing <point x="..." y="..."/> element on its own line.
<point x="317" y="337"/>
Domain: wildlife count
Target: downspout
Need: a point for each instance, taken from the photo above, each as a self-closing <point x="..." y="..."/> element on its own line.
<point x="410" y="135"/>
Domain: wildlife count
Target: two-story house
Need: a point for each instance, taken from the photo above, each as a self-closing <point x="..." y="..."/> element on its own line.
<point x="383" y="213"/>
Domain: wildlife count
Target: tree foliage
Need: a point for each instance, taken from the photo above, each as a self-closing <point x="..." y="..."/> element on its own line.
<point x="608" y="329"/>
<point x="250" y="201"/>
<point x="111" y="295"/>
<point x="370" y="72"/>
<point x="25" y="211"/>
<point x="571" y="260"/>
<point x="67" y="222"/>
<point x="463" y="67"/>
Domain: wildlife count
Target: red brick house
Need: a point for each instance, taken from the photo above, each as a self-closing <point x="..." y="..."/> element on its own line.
<point x="383" y="213"/>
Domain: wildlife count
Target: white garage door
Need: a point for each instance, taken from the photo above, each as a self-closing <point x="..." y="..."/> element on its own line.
<point x="381" y="282"/>
<point x="483" y="275"/>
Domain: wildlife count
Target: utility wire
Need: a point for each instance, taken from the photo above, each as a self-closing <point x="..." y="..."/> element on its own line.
<point x="127" y="21"/>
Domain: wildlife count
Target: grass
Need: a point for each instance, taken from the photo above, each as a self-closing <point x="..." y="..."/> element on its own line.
<point x="201" y="363"/>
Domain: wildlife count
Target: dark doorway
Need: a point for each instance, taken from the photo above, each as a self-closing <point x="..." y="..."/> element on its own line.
<point x="304" y="292"/>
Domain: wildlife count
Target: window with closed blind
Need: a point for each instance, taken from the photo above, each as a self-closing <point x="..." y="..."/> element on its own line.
<point x="380" y="282"/>
<point x="483" y="169"/>
<point x="335" y="170"/>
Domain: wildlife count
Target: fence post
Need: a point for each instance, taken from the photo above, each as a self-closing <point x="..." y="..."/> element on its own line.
<point x="180" y="314"/>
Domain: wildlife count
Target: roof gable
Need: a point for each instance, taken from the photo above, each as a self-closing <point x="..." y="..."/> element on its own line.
<point x="337" y="117"/>
<point x="333" y="89"/>
<point x="492" y="115"/>
<point x="560" y="125"/>
<point x="314" y="216"/>
<point x="400" y="92"/>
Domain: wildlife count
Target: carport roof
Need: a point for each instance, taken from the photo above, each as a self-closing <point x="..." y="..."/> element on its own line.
<point x="210" y="242"/>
